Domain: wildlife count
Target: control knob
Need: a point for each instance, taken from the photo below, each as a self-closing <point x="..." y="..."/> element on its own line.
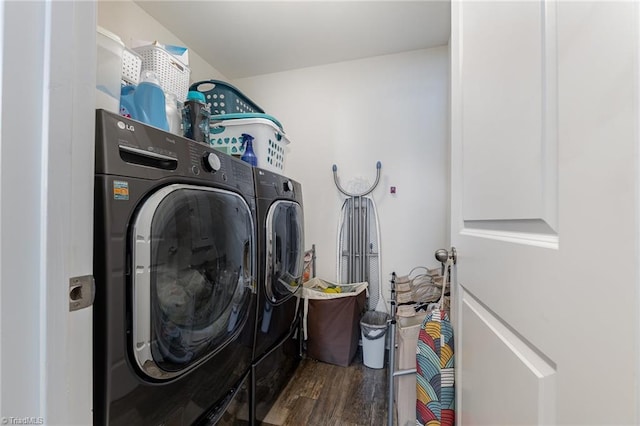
<point x="287" y="186"/>
<point x="211" y="162"/>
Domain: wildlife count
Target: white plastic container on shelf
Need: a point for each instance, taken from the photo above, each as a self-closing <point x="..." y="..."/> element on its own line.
<point x="269" y="140"/>
<point x="131" y="66"/>
<point x="109" y="70"/>
<point x="172" y="73"/>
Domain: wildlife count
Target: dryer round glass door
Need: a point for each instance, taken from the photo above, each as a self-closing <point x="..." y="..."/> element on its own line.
<point x="193" y="261"/>
<point x="285" y="240"/>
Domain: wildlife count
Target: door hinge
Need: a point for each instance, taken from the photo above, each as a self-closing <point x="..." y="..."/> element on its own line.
<point x="82" y="291"/>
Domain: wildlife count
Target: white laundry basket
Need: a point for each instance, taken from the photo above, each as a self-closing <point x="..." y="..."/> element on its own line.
<point x="269" y="140"/>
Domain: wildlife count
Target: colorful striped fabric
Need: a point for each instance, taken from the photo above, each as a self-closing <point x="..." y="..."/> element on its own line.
<point x="435" y="402"/>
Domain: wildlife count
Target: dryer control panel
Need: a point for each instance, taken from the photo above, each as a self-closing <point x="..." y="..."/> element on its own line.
<point x="275" y="186"/>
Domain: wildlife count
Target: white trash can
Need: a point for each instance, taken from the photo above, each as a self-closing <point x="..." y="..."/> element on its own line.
<point x="373" y="326"/>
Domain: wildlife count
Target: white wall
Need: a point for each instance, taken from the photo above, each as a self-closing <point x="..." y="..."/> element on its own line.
<point x="389" y="108"/>
<point x="130" y="22"/>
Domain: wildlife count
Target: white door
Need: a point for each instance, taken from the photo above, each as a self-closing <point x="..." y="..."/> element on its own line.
<point x="545" y="212"/>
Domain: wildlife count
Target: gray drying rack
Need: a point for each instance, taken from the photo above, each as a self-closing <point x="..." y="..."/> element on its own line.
<point x="392" y="352"/>
<point x="442" y="256"/>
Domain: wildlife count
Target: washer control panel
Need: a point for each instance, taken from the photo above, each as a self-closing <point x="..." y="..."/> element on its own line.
<point x="129" y="148"/>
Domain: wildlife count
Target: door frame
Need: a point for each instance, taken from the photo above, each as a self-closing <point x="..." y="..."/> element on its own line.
<point x="47" y="108"/>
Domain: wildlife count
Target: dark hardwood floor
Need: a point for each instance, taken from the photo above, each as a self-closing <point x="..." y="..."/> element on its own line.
<point x="327" y="395"/>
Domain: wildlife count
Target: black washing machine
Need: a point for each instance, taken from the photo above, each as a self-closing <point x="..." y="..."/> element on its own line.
<point x="277" y="350"/>
<point x="174" y="267"/>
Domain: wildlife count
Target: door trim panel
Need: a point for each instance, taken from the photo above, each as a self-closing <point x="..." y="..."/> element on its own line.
<point x="495" y="347"/>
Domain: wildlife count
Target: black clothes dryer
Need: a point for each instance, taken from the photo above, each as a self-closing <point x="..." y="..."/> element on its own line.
<point x="277" y="346"/>
<point x="174" y="268"/>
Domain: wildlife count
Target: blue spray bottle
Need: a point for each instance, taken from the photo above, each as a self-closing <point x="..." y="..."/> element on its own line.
<point x="248" y="156"/>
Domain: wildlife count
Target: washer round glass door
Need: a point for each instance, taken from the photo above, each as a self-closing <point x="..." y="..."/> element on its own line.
<point x="285" y="239"/>
<point x="192" y="280"/>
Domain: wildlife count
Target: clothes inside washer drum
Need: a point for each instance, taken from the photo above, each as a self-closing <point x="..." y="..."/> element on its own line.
<point x="195" y="312"/>
<point x="179" y="292"/>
